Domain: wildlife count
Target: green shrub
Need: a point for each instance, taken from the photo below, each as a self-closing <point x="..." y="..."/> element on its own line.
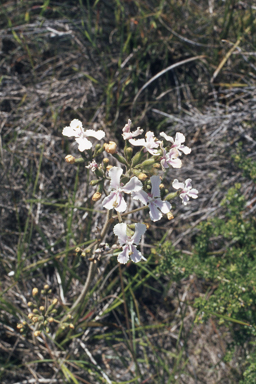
<point x="223" y="259"/>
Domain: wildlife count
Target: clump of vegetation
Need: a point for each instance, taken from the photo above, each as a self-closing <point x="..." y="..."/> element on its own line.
<point x="224" y="260"/>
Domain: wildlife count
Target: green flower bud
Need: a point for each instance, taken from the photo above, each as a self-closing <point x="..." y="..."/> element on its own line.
<point x="95" y="182"/>
<point x="120" y="158"/>
<point x="148" y="163"/>
<point x="171" y="196"/>
<point x="137" y="158"/>
<point x="98" y="172"/>
<point x="128" y="151"/>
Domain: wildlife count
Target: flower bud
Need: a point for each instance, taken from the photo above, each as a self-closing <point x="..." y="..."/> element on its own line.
<point x="30" y="304"/>
<point x="98" y="172"/>
<point x="19" y="326"/>
<point x="171" y="196"/>
<point x="109" y="167"/>
<point x="71" y="326"/>
<point x="96" y="196"/>
<point x="120" y="158"/>
<point x="128" y="151"/>
<point x="98" y="149"/>
<point x="30" y="315"/>
<point x="95" y="182"/>
<point x="70" y="159"/>
<point x="37" y="333"/>
<point x="35" y="311"/>
<point x="42" y="308"/>
<point x="50" y="319"/>
<point x="157" y="166"/>
<point x="34" y="292"/>
<point x="77" y="250"/>
<point x="105" y="160"/>
<point x="170" y="216"/>
<point x="148" y="163"/>
<point x="110" y="147"/>
<point x="161" y="186"/>
<point x="142" y="176"/>
<point x="137" y="158"/>
<point x="46" y="287"/>
<point x="35" y="319"/>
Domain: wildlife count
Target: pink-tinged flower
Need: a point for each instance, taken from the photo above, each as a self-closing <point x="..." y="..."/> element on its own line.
<point x="156" y="205"/>
<point x="115" y="198"/>
<point x="127" y="134"/>
<point x="92" y="166"/>
<point x="76" y="130"/>
<point x="177" y="143"/>
<point x="149" y="144"/>
<point x="170" y="158"/>
<point x="127" y="242"/>
<point x="186" y="190"/>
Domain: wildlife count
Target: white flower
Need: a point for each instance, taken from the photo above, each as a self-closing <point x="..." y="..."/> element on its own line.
<point x="149" y="144"/>
<point x="170" y="158"/>
<point x="127" y="134"/>
<point x="127" y="242"/>
<point x="115" y="198"/>
<point x="186" y="190"/>
<point x="76" y="129"/>
<point x="177" y="143"/>
<point x="156" y="205"/>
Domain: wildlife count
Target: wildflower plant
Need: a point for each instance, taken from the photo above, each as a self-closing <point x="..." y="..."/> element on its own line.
<point x="134" y="175"/>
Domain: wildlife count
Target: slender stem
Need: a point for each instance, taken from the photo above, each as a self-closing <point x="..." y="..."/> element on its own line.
<point x="91" y="271"/>
<point x="125" y="309"/>
<point x="128" y="213"/>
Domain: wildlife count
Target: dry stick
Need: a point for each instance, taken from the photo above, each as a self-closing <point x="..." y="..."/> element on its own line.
<point x="92" y="268"/>
<point x="223" y="61"/>
<point x="163" y="72"/>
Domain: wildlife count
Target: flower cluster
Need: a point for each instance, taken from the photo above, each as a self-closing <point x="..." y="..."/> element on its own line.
<point x="134" y="175"/>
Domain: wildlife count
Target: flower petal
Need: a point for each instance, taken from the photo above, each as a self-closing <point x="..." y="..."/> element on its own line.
<point x="142" y="196"/>
<point x="76" y="125"/>
<point x="133" y="185"/>
<point x="115" y="174"/>
<point x="164" y="206"/>
<point x="83" y="143"/>
<point x="68" y="131"/>
<point x="166" y="137"/>
<point x="96" y="134"/>
<point x="193" y="193"/>
<point x="154" y="213"/>
<point x="179" y="138"/>
<point x="120" y="205"/>
<point x="140" y="229"/>
<point x="110" y="200"/>
<point x="141" y="142"/>
<point x="177" y="185"/>
<point x="120" y="231"/>
<point x="136" y="255"/>
<point x="155" y="182"/>
<point x="123" y="256"/>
